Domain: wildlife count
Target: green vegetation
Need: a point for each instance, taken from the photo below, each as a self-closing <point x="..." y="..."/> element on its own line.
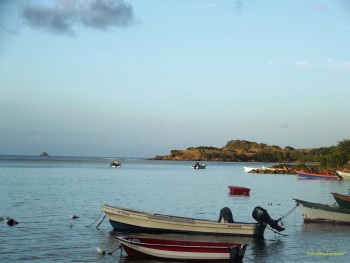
<point x="245" y="151"/>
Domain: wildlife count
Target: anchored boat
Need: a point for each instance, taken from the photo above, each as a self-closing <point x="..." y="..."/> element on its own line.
<point x="314" y="212"/>
<point x="317" y="176"/>
<point x="342" y="200"/>
<point x="130" y="219"/>
<point x="141" y="247"/>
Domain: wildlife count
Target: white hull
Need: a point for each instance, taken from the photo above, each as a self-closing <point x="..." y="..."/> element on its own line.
<point x="313" y="212"/>
<point x="344" y="175"/>
<point x="122" y="218"/>
<point x="248" y="169"/>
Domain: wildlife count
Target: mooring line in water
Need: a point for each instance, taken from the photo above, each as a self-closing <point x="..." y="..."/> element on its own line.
<point x="288" y="213"/>
<point x="101" y="221"/>
<point x="250" y="259"/>
<point x="276" y="232"/>
<point x="95" y="220"/>
<point x="121" y="250"/>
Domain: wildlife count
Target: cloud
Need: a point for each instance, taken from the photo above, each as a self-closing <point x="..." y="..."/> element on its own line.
<point x="271" y="61"/>
<point x="65" y="16"/>
<point x="334" y="64"/>
<point x="303" y="63"/>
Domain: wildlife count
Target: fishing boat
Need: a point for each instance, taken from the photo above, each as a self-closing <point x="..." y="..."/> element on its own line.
<point x="140" y="247"/>
<point x="237" y="190"/>
<point x="249" y="169"/>
<point x="115" y="164"/>
<point x="316" y="176"/>
<point x="342" y="200"/>
<point x="130" y="219"/>
<point x="344" y="174"/>
<point x="199" y="166"/>
<point x="314" y="212"/>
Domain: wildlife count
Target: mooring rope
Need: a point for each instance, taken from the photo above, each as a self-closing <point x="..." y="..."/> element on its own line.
<point x="250" y="259"/>
<point x="276" y="232"/>
<point x="101" y="221"/>
<point x="288" y="213"/>
<point x="95" y="220"/>
<point x="120" y="247"/>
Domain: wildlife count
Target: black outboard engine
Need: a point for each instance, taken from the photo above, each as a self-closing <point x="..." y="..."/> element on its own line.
<point x="225" y="215"/>
<point x="261" y="216"/>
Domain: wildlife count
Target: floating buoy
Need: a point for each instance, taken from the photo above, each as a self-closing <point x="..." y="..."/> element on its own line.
<point x="12" y="222"/>
<point x="100" y="251"/>
<point x="74" y="217"/>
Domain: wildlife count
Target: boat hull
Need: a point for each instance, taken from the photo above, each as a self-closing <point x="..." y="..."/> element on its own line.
<point x="317" y="176"/>
<point x="314" y="212"/>
<point x="129" y="219"/>
<point x="237" y="190"/>
<point x="182" y="250"/>
<point x="342" y="200"/>
<point x="344" y="175"/>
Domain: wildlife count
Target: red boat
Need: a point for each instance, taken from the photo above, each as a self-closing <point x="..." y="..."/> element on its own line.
<point x="237" y="190"/>
<point x="140" y="247"/>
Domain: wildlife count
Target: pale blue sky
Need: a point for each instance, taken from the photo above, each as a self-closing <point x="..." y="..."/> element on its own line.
<point x="140" y="78"/>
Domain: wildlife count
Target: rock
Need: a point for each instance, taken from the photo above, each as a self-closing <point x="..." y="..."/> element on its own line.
<point x="44" y="154"/>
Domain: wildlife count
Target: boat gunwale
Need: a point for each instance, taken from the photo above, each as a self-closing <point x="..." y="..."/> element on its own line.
<point x="319" y="175"/>
<point x="323" y="206"/>
<point x="238" y="245"/>
<point x="156" y="216"/>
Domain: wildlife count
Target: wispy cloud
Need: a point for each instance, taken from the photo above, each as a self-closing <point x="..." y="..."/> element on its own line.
<point x="303" y="63"/>
<point x="335" y="64"/>
<point x="66" y="16"/>
<point x="271" y="61"/>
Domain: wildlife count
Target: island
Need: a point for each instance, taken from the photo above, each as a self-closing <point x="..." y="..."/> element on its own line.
<point x="245" y="151"/>
<point x="44" y="154"/>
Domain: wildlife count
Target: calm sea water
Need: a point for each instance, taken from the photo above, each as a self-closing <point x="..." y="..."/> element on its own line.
<point x="42" y="194"/>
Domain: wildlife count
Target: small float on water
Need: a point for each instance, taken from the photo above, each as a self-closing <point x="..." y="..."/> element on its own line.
<point x="199" y="166"/>
<point x="141" y="247"/>
<point x="115" y="164"/>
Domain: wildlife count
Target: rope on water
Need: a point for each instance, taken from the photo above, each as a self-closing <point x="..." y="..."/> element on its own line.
<point x="276" y="232"/>
<point x="95" y="220"/>
<point x="250" y="259"/>
<point x="288" y="213"/>
<point x="101" y="221"/>
<point x="121" y="250"/>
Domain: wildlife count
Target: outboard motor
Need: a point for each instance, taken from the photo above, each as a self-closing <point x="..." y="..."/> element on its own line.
<point x="261" y="216"/>
<point x="225" y="215"/>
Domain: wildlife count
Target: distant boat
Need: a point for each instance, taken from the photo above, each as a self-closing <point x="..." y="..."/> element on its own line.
<point x="344" y="174"/>
<point x="115" y="164"/>
<point x="314" y="212"/>
<point x="199" y="166"/>
<point x="140" y="247"/>
<point x="248" y="169"/>
<point x="317" y="176"/>
<point x="237" y="190"/>
<point x="342" y="200"/>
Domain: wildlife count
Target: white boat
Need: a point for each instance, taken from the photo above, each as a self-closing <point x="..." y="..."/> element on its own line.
<point x="249" y="169"/>
<point x="314" y="212"/>
<point x="130" y="219"/>
<point x="141" y="247"/>
<point x="344" y="175"/>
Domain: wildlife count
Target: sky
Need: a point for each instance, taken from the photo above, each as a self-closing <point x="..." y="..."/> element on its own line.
<point x="139" y="78"/>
